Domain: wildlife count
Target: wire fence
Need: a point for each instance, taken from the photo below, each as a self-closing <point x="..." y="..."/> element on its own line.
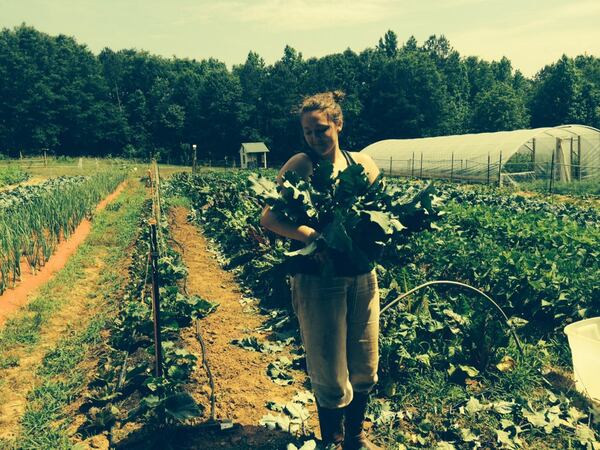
<point x="81" y="163"/>
<point x="489" y="172"/>
<point x="548" y="175"/>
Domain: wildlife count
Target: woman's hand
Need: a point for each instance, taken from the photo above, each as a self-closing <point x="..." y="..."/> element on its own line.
<point x="322" y="256"/>
<point x="302" y="233"/>
<point x="311" y="235"/>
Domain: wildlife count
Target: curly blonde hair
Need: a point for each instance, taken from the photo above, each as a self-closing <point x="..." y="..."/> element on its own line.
<point x="328" y="102"/>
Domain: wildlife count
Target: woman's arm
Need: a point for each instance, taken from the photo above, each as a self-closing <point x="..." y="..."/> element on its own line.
<point x="301" y="233"/>
<point x="300" y="164"/>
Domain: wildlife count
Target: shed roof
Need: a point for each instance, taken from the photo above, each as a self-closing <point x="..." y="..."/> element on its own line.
<point x="254" y="147"/>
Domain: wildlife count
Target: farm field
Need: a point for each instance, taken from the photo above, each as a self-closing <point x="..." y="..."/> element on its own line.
<point x="77" y="363"/>
<point x="450" y="376"/>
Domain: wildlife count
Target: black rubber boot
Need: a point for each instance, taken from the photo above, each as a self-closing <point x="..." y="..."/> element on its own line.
<point x="331" y="422"/>
<point x="355" y="417"/>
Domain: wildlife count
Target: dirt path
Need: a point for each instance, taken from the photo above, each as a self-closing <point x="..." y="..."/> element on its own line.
<point x="30" y="182"/>
<point x="13" y="299"/>
<point x="241" y="382"/>
<point x="81" y="304"/>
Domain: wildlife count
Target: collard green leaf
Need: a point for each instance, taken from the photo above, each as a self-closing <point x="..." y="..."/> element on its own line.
<point x="503" y="407"/>
<point x="535" y="418"/>
<point x="469" y="370"/>
<point x="385" y="221"/>
<point x="182" y="406"/>
<point x="274" y="422"/>
<point x="264" y="188"/>
<point x="296" y="411"/>
<point x="279" y="373"/>
<point x="585" y="435"/>
<point x="336" y="236"/>
<point x="505" y="439"/>
<point x="322" y="177"/>
<point x="351" y="183"/>
<point x="306" y="250"/>
<point x="473" y="406"/>
<point x="304" y="397"/>
<point x="467" y="435"/>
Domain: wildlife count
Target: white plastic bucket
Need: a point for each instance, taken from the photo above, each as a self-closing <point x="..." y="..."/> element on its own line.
<point x="584" y="340"/>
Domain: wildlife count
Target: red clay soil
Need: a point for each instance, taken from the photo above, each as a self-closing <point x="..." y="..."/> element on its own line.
<point x="242" y="385"/>
<point x="13" y="299"/>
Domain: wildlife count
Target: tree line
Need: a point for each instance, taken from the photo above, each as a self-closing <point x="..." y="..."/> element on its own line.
<point x="56" y="94"/>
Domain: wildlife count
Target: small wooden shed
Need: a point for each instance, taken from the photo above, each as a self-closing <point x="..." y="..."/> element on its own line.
<point x="253" y="155"/>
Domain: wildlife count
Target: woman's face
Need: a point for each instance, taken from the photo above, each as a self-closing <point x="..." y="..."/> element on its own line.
<point x="320" y="132"/>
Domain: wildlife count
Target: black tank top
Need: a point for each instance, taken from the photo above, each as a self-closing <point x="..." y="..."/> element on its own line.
<point x="343" y="265"/>
<point x="314" y="158"/>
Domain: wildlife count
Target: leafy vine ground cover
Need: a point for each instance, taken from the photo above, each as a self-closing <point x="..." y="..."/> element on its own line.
<point x="450" y="375"/>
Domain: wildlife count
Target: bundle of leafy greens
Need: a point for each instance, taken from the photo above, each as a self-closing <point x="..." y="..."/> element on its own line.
<point x="355" y="219"/>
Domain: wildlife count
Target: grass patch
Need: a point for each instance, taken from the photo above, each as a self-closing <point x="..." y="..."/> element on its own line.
<point x="44" y="425"/>
<point x="176" y="201"/>
<point x="12" y="175"/>
<point x="8" y="361"/>
<point x="69" y="351"/>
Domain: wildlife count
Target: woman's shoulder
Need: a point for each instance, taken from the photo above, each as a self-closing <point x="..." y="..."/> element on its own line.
<point x="367" y="162"/>
<point x="299" y="159"/>
<point x="299" y="163"/>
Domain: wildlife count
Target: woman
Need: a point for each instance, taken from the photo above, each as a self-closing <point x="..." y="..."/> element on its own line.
<point x="338" y="315"/>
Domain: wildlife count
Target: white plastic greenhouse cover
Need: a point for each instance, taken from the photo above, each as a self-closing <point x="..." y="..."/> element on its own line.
<point x="467" y="155"/>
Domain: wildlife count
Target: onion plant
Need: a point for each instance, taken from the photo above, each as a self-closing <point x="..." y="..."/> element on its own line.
<point x="34" y="219"/>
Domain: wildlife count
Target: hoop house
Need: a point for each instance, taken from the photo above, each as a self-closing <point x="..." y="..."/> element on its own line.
<point x="565" y="152"/>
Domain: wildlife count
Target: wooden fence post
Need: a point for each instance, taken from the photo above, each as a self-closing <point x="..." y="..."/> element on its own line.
<point x="579" y="156"/>
<point x="552" y="173"/>
<point x="158" y="369"/>
<point x="500" y="170"/>
<point x="194" y="158"/>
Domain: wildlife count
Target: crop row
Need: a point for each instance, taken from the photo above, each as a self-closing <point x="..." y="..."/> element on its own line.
<point x="127" y="388"/>
<point x="540" y="260"/>
<point x="33" y="219"/>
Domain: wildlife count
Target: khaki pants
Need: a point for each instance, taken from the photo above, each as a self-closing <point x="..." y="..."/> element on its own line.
<point x="339" y="324"/>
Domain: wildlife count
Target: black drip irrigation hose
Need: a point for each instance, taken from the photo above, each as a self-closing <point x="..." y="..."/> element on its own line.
<point x="213" y="422"/>
<point x="211" y="381"/>
<point x="466" y="286"/>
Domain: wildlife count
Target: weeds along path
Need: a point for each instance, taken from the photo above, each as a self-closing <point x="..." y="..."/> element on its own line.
<point x="241" y="381"/>
<point x="63" y="307"/>
<point x="13" y="299"/>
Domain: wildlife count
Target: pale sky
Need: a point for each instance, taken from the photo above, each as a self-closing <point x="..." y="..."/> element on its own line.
<point x="530" y="33"/>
